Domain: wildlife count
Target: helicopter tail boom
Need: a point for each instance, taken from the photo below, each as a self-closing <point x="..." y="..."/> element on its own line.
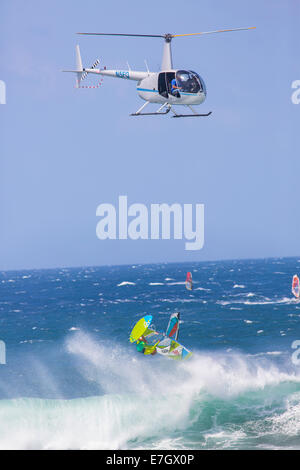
<point x="82" y="72"/>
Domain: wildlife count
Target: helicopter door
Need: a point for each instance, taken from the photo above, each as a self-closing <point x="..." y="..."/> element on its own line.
<point x="164" y="83"/>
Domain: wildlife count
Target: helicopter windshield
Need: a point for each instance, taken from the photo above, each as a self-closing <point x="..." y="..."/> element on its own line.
<point x="189" y="82"/>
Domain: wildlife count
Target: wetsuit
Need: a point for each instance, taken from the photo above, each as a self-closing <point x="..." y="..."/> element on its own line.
<point x="140" y="346"/>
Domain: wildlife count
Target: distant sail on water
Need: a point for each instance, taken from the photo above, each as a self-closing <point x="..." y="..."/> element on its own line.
<point x="295" y="286"/>
<point x="189" y="281"/>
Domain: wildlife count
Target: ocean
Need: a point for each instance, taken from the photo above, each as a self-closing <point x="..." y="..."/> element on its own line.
<point x="72" y="380"/>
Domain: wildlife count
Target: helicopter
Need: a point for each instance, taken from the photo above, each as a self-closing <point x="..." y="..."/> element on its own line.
<point x="169" y="87"/>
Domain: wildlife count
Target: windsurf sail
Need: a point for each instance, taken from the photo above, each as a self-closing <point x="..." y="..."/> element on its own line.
<point x="189" y="281"/>
<point x="173" y="326"/>
<point x="295" y="286"/>
<point x="140" y="328"/>
<point x="173" y="349"/>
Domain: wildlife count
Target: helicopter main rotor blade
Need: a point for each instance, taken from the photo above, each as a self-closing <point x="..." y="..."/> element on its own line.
<point x="211" y="32"/>
<point x="168" y="36"/>
<point x="121" y="34"/>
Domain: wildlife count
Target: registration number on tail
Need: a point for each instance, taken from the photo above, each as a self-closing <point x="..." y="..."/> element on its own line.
<point x="122" y="74"/>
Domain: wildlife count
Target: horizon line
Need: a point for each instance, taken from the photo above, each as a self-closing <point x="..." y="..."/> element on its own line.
<point x="148" y="264"/>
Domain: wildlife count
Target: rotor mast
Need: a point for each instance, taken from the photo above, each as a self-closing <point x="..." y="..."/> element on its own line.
<point x="167" y="62"/>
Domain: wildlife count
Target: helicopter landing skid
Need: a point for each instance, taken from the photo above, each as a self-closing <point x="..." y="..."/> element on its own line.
<point x="195" y="114"/>
<point x="159" y="111"/>
<point x="191" y="115"/>
<point x="151" y="114"/>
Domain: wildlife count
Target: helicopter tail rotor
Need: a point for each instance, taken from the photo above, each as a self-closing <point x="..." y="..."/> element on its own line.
<point x="81" y="72"/>
<point x="85" y="74"/>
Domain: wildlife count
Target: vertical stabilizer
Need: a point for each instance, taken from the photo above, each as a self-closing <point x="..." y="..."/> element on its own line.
<point x="79" y="67"/>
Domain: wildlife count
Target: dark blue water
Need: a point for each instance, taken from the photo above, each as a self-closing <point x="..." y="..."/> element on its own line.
<point x="73" y="380"/>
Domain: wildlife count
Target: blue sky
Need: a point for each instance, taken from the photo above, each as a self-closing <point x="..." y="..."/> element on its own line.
<point x="65" y="151"/>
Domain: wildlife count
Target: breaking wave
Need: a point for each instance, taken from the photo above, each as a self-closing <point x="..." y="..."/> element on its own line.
<point x="141" y="400"/>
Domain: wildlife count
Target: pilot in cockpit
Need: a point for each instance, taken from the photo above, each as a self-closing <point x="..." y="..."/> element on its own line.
<point x="175" y="88"/>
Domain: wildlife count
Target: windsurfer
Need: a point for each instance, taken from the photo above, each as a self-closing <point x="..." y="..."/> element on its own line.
<point x="189" y="281"/>
<point x="142" y="346"/>
<point x="296" y="286"/>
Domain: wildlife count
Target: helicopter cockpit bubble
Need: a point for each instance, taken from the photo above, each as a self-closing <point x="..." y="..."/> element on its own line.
<point x="190" y="82"/>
